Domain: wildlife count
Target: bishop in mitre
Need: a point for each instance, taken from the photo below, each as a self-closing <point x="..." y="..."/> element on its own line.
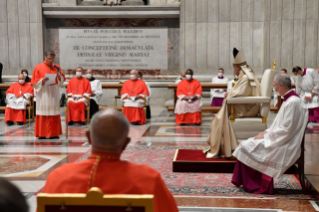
<point x="222" y="139"/>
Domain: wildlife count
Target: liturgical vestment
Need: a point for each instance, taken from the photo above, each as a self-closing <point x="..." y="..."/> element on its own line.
<point x="17" y="99"/>
<point x="188" y="111"/>
<point x="218" y="95"/>
<point x="112" y="176"/>
<point x="48" y="120"/>
<point x="221" y="138"/>
<point x="133" y="108"/>
<point x="79" y="91"/>
<point x="280" y="147"/>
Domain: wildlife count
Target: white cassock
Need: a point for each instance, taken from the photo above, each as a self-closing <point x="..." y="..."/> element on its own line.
<point x="276" y="95"/>
<point x="17" y="103"/>
<point x="96" y="88"/>
<point x="218" y="93"/>
<point x="280" y="147"/>
<point x="178" y="80"/>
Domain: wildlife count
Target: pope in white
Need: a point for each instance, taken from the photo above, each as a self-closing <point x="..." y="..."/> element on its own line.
<point x="218" y="95"/>
<point x="272" y="152"/>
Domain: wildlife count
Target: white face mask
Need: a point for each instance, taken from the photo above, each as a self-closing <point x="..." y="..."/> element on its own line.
<point x="89" y="76"/>
<point x="236" y="77"/>
<point x="133" y="77"/>
<point x="21" y="82"/>
<point x="220" y="74"/>
<point x="188" y="76"/>
<point x="78" y="74"/>
<point x="25" y="75"/>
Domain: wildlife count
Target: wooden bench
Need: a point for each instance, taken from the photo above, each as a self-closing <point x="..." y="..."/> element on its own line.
<point x="115" y="107"/>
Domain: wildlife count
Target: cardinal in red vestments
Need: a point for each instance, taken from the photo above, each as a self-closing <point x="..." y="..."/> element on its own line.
<point x="134" y="92"/>
<point x="48" y="120"/>
<point x="189" y="105"/>
<point x="18" y="98"/>
<point x="104" y="168"/>
<point x="79" y="91"/>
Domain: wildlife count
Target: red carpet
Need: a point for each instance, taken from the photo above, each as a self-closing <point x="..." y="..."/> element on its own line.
<point x="196" y="155"/>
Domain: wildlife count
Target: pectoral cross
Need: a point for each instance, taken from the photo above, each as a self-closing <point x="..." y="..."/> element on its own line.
<point x="20" y="92"/>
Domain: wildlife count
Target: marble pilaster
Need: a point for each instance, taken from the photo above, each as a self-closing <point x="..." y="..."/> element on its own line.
<point x="287" y="41"/>
<point x="311" y="43"/>
<point x="190" y="45"/>
<point x="224" y="48"/>
<point x="14" y="47"/>
<point x="24" y="46"/>
<point x="212" y="45"/>
<point x="201" y="45"/>
<point x="3" y="11"/>
<point x="213" y="11"/>
<point x="4" y="44"/>
<point x="201" y="11"/>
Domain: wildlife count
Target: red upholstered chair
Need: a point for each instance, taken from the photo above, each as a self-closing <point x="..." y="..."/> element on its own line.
<point x="95" y="201"/>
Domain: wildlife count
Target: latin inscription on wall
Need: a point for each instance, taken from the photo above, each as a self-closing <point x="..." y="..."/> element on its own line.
<point x="113" y="48"/>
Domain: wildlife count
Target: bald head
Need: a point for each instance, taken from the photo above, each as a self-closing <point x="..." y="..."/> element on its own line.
<point x="183" y="74"/>
<point x="109" y="131"/>
<point x="134" y="72"/>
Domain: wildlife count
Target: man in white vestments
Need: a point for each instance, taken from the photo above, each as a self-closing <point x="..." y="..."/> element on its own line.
<point x="273" y="151"/>
<point x="97" y="92"/>
<point x="307" y="87"/>
<point x="148" y="98"/>
<point x="283" y="72"/>
<point x="221" y="138"/>
<point x="181" y="78"/>
<point x="231" y="83"/>
<point x="218" y="95"/>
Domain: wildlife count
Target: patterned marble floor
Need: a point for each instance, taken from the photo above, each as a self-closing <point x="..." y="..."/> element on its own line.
<point x="27" y="161"/>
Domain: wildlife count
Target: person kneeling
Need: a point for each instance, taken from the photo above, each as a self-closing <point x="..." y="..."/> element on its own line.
<point x="18" y="98"/>
<point x="272" y="152"/>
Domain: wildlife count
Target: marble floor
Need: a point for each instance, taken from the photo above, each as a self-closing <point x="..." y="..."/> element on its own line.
<point x="27" y="161"/>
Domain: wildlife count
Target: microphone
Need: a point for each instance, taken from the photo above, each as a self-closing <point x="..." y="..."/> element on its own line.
<point x="57" y="68"/>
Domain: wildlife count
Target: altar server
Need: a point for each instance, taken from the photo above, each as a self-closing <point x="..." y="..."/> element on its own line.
<point x="181" y="78"/>
<point x="218" y="95"/>
<point x="18" y="98"/>
<point x="133" y="94"/>
<point x="272" y="152"/>
<point x="148" y="98"/>
<point x="188" y="107"/>
<point x="97" y="92"/>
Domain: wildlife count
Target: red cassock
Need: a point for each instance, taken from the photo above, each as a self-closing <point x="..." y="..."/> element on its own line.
<point x="189" y="89"/>
<point x="13" y="113"/>
<point x="134" y="88"/>
<point x="78" y="86"/>
<point x="112" y="176"/>
<point x="48" y="121"/>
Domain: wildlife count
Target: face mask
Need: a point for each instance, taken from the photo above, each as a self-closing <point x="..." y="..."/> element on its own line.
<point x="188" y="76"/>
<point x="236" y="77"/>
<point x="89" y="76"/>
<point x="133" y="77"/>
<point x="78" y="74"/>
<point x="220" y="74"/>
<point x="25" y="75"/>
<point x="21" y="82"/>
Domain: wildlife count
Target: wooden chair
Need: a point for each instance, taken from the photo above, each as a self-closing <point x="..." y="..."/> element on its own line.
<point x="95" y="201"/>
<point x="87" y="110"/>
<point x="30" y="109"/>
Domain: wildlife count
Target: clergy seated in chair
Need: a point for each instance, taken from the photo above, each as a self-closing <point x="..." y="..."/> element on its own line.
<point x="78" y="91"/>
<point x="97" y="92"/>
<point x="272" y="152"/>
<point x="188" y="107"/>
<point x="18" y="98"/>
<point x="222" y="138"/>
<point x="104" y="168"/>
<point x="218" y="95"/>
<point x="133" y="94"/>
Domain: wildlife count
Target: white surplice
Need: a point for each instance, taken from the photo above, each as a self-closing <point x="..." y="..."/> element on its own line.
<point x="276" y="96"/>
<point x="17" y="103"/>
<point x="148" y="98"/>
<point x="96" y="88"/>
<point x="280" y="147"/>
<point x="309" y="83"/>
<point x="218" y="93"/>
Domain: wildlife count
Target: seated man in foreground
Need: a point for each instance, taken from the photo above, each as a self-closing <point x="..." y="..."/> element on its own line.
<point x="18" y="98"/>
<point x="188" y="109"/>
<point x="105" y="170"/>
<point x="272" y="152"/>
<point x="79" y="91"/>
<point x="133" y="93"/>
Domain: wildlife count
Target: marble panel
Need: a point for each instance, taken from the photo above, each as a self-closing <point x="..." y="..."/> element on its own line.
<point x="173" y="48"/>
<point x="3" y="11"/>
<point x="311" y="43"/>
<point x="258" y="40"/>
<point x="275" y="10"/>
<point x="224" y="10"/>
<point x="287" y="44"/>
<point x="182" y="11"/>
<point x="213" y="11"/>
<point x="259" y="10"/>
<point x="275" y="42"/>
<point x="299" y="43"/>
<point x="300" y="9"/>
<point x="36" y="43"/>
<point x="190" y="11"/>
<point x="235" y="10"/>
<point x="212" y="45"/>
<point x="182" y="46"/>
<point x="12" y="11"/>
<point x="201" y="47"/>
<point x="190" y="45"/>
<point x="4" y="46"/>
<point x="24" y="32"/>
<point x="13" y="35"/>
<point x="267" y="8"/>
<point x="246" y="42"/>
<point x="312" y="10"/>
<point x="224" y="48"/>
<point x="266" y="63"/>
<point x="68" y="2"/>
<point x="35" y="11"/>
<point x="24" y="15"/>
<point x="246" y="10"/>
<point x="235" y="41"/>
<point x="288" y="8"/>
<point x="201" y="11"/>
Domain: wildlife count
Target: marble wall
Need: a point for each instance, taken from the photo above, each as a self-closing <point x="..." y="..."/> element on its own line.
<point x="21" y="37"/>
<point x="266" y="29"/>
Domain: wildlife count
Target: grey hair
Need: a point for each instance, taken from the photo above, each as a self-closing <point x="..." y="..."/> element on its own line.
<point x="283" y="80"/>
<point x="50" y="52"/>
